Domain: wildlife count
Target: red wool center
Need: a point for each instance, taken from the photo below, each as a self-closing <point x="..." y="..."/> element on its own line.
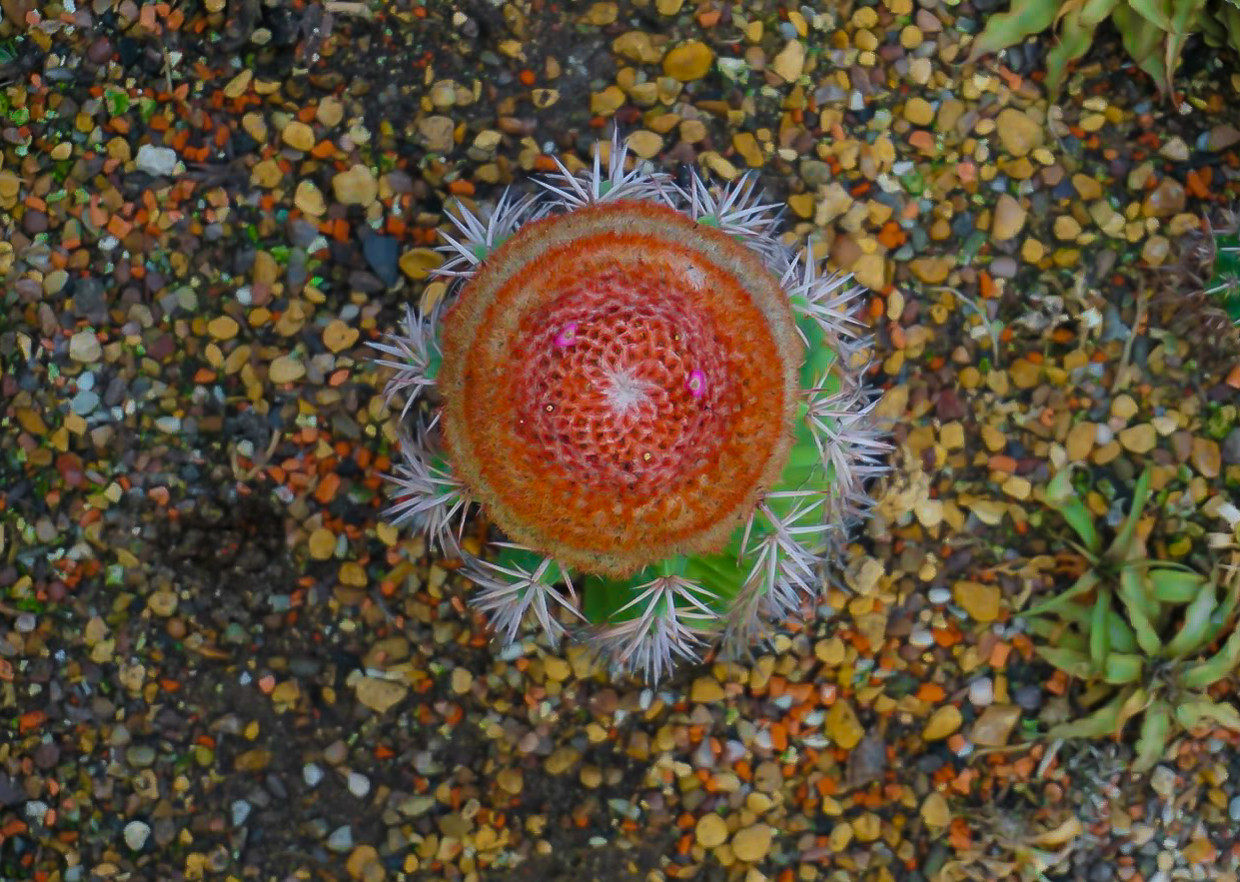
<point x="623" y="382"/>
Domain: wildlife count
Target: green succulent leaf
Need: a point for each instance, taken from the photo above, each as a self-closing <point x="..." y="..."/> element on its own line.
<point x="1099" y="634"/>
<point x="1218" y="666"/>
<point x="1134" y="700"/>
<point x="1174" y="586"/>
<point x="1190" y="714"/>
<point x="1143" y="41"/>
<point x="1099" y="724"/>
<point x="1122" y="546"/>
<point x="1061" y="603"/>
<point x="1004" y="29"/>
<point x="1061" y="497"/>
<point x="1192" y="634"/>
<point x="1136" y="605"/>
<point x="1121" y="668"/>
<point x="1155" y="730"/>
<point x="1077" y="664"/>
<point x="1123" y="638"/>
<point x="1059" y="634"/>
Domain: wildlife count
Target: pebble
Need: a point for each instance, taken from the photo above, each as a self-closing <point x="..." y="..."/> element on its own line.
<point x="1018" y="133"/>
<point x="790" y="60"/>
<point x="935" y="811"/>
<point x="84" y="347"/>
<point x="136" y="833"/>
<point x="156" y="160"/>
<point x="711" y="831"/>
<point x="380" y="695"/>
<point x="1138" y="439"/>
<point x="752" y="843"/>
<point x="994" y="726"/>
<point x="843" y="726"/>
<point x="359" y="784"/>
<point x="980" y="601"/>
<point x="688" y="61"/>
<point x="312" y="774"/>
<point x="355" y="186"/>
<point x="981" y="692"/>
<point x="341" y="839"/>
<point x="706" y="690"/>
<point x="286" y="369"/>
<point x="298" y="135"/>
<point x="943" y="722"/>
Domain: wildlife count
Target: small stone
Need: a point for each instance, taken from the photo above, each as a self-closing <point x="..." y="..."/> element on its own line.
<point x="364" y="865"/>
<point x="462" y="680"/>
<point x="1087" y="187"/>
<point x="645" y="143"/>
<point x="1231" y="447"/>
<point x="1009" y="219"/>
<point x="286" y="369"/>
<point x="380" y="695"/>
<point x="309" y="199"/>
<point x="162" y="603"/>
<point x="752" y="843"/>
<point x="843" y="726"/>
<point x="338" y="336"/>
<point x="706" y="690"/>
<point x="356" y="186"/>
<point x="1080" y="441"/>
<point x="1018" y="133"/>
<point x="298" y="135"/>
<point x="223" y="327"/>
<point x="417" y="263"/>
<point x="994" y="726"/>
<point x="84" y="347"/>
<point x="1168" y="198"/>
<point x="943" y="722"/>
<point x="438" y="134"/>
<point x="510" y="781"/>
<point x="980" y="601"/>
<point x="1206" y="457"/>
<point x="688" y="61"/>
<point x="918" y="111"/>
<point x="156" y="160"/>
<point x="358" y="784"/>
<point x="136" y="833"/>
<point x="1155" y="250"/>
<point x="711" y="831"/>
<point x="1138" y="439"/>
<point x="311" y="774"/>
<point x="341" y="839"/>
<point x="1066" y="228"/>
<point x="934" y="811"/>
<point x="1174" y="149"/>
<point x="1221" y="137"/>
<point x="790" y="61"/>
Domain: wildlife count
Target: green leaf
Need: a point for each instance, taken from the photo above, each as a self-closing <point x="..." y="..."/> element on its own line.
<point x="1155" y="729"/>
<point x="1136" y="605"/>
<point x="1120" y="668"/>
<point x="1069" y="661"/>
<point x="1060" y="602"/>
<point x="1099" y="634"/>
<point x="1152" y="11"/>
<point x="1004" y="29"/>
<point x="1074" y="41"/>
<point x="1061" y="497"/>
<point x="1143" y="41"/>
<point x="1191" y="636"/>
<point x="1218" y="666"/>
<point x="1190" y="714"/>
<point x="1099" y="724"/>
<point x="1174" y="586"/>
<point x="1122" y="545"/>
<point x="1123" y="639"/>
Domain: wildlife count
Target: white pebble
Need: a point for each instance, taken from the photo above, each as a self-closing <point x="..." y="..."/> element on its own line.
<point x="136" y="833"/>
<point x="982" y="692"/>
<point x="156" y="160"/>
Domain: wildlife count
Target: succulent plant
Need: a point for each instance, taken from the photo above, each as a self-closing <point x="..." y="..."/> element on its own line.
<point x="657" y="403"/>
<point x="1138" y="631"/>
<point x="1153" y="33"/>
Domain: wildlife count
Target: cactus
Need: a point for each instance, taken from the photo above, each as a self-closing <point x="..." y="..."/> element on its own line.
<point x="655" y="401"/>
